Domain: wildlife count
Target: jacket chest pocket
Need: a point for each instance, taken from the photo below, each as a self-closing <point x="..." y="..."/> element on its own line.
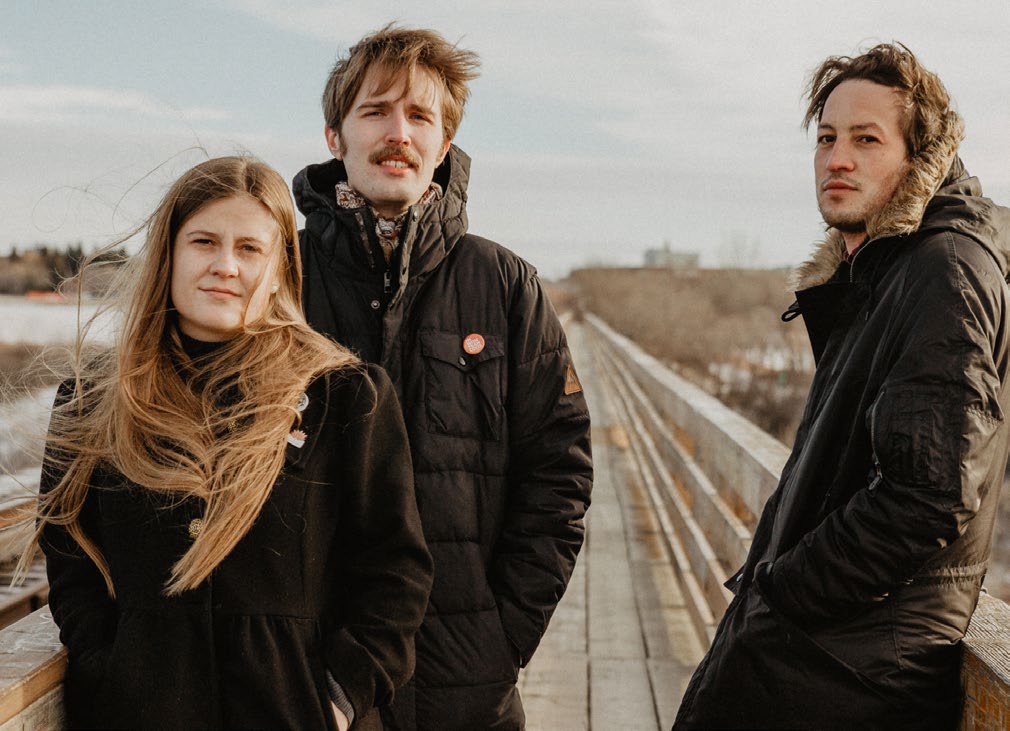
<point x="463" y="390"/>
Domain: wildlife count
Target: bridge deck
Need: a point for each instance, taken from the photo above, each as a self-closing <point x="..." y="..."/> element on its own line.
<point x="621" y="646"/>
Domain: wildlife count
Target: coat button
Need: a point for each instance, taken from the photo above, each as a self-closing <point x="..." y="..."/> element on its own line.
<point x="462" y="360"/>
<point x="195" y="527"/>
<point x="376" y="304"/>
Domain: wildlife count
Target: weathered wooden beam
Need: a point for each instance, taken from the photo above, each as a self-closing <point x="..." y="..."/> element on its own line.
<point x="743" y="463"/>
<point x="32" y="666"/>
<point x="985" y="667"/>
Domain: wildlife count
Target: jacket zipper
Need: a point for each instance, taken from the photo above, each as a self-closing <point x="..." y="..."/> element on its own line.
<point x="852" y="264"/>
<point x="878" y="473"/>
<point x="363" y="234"/>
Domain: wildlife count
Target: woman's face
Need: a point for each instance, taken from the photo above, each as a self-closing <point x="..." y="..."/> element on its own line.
<point x="224" y="267"/>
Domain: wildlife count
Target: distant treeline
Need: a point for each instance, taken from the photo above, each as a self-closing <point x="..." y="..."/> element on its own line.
<point x="45" y="268"/>
<point x="720" y="328"/>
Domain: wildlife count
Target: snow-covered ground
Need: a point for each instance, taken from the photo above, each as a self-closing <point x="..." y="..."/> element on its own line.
<point x="39" y="323"/>
<point x="23" y="421"/>
<point x="22" y="434"/>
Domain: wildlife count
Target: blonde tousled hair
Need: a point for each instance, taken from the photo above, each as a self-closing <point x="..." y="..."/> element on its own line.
<point x="397" y="53"/>
<point x="212" y="427"/>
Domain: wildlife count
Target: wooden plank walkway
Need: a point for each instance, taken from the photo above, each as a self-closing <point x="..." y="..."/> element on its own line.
<point x="621" y="646"/>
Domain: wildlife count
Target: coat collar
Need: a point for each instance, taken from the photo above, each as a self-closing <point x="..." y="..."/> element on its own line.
<point x="433" y="229"/>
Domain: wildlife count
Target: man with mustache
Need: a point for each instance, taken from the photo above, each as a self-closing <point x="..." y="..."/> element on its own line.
<point x="497" y="421"/>
<point x="867" y="561"/>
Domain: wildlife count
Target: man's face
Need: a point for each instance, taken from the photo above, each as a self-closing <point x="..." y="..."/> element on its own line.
<point x="392" y="142"/>
<point x="861" y="155"/>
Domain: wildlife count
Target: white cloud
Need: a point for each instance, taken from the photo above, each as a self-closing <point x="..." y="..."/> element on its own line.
<point x="598" y="128"/>
<point x="331" y="21"/>
<point x="562" y="50"/>
<point x="8" y="61"/>
<point x="62" y="104"/>
<point x="94" y="185"/>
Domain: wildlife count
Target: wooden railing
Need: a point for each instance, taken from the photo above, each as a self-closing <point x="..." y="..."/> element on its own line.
<point x="32" y="660"/>
<point x="708" y="472"/>
<point x="32" y="665"/>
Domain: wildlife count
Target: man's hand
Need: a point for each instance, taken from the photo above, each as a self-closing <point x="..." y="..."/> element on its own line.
<point x="342" y="722"/>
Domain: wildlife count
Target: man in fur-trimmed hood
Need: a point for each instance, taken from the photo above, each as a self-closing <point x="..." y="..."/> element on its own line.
<point x="867" y="561"/>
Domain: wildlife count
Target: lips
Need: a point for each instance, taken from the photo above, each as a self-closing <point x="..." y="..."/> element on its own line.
<point x="837" y="184"/>
<point x="222" y="292"/>
<point x="396" y="157"/>
<point x="395" y="163"/>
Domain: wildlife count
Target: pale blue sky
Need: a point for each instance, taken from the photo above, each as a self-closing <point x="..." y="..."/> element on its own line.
<point x="598" y="128"/>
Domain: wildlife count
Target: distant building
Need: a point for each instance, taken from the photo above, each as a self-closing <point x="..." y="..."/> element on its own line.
<point x="671" y="259"/>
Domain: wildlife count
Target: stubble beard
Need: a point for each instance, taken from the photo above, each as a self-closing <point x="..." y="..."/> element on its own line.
<point x="846" y="222"/>
<point x="854" y="222"/>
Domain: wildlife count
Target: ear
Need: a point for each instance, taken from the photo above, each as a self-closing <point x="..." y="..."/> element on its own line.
<point x="445" y="150"/>
<point x="333" y="142"/>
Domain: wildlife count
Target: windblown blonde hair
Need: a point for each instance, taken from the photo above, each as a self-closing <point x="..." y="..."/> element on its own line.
<point x="212" y="427"/>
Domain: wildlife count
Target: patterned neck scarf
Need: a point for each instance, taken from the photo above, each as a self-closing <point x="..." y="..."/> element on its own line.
<point x="387" y="229"/>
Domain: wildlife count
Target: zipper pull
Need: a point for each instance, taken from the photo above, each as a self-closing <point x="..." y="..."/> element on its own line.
<point x="878" y="476"/>
<point x="387" y="282"/>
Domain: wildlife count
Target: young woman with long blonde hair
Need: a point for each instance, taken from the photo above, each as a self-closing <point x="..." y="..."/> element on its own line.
<point x="227" y="507"/>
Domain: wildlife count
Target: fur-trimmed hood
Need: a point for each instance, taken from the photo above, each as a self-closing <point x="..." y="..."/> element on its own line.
<point x="937" y="193"/>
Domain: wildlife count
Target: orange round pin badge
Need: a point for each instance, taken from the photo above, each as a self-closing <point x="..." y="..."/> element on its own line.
<point x="473" y="343"/>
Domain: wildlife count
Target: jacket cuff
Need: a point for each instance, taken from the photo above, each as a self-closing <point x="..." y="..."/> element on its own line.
<point x="778" y="601"/>
<point x="339" y="698"/>
<point x="522" y="634"/>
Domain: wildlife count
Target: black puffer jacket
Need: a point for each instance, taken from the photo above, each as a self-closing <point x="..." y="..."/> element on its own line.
<point x="500" y="437"/>
<point x="868" y="559"/>
<point x="333" y="576"/>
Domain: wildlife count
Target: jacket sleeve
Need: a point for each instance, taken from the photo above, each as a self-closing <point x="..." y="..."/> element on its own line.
<point x="550" y="471"/>
<point x="78" y="598"/>
<point x="386" y="568"/>
<point x="935" y="428"/>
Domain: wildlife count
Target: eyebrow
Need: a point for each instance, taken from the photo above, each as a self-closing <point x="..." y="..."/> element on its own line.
<point x="377" y="104"/>
<point x="854" y="128"/>
<point x="384" y="104"/>
<point x="214" y="235"/>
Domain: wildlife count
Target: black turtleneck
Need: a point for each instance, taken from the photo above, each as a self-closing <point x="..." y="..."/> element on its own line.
<point x="198" y="348"/>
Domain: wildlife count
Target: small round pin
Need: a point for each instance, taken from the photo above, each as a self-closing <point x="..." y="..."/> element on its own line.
<point x="473" y="343"/>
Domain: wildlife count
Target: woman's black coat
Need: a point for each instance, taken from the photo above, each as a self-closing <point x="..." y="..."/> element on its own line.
<point x="333" y="576"/>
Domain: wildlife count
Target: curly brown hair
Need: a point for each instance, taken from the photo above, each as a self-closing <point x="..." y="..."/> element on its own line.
<point x="927" y="106"/>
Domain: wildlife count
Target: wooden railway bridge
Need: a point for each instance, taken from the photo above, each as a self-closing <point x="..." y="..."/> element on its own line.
<point x="679" y="481"/>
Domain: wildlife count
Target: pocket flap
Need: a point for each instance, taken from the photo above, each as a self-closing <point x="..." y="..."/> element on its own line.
<point x="448" y="348"/>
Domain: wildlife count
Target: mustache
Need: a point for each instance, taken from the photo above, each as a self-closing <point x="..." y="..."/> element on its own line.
<point x="838" y="179"/>
<point x="402" y="151"/>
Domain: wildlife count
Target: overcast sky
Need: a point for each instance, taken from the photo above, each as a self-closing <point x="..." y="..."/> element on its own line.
<point x="598" y="128"/>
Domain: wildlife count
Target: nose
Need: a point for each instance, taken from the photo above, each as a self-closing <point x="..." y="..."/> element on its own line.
<point x="398" y="129"/>
<point x="224" y="264"/>
<point x="840" y="157"/>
